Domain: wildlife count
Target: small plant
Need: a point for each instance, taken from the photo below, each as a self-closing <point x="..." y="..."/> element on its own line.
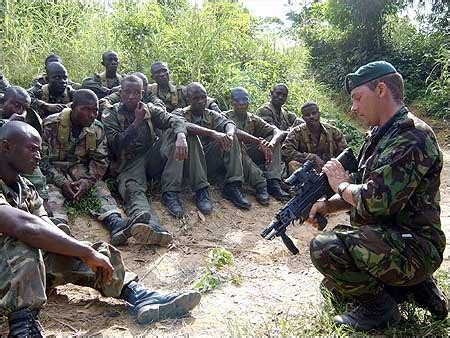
<point x="90" y="203"/>
<point x="218" y="258"/>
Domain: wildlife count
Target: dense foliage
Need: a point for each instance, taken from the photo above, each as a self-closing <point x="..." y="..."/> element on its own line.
<point x="220" y="45"/>
<point x="344" y="34"/>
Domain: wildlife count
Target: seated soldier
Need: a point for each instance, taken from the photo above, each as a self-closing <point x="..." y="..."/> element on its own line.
<point x="138" y="154"/>
<point x="275" y="114"/>
<point x="36" y="256"/>
<point x="112" y="99"/>
<point x="41" y="80"/>
<point x="221" y="150"/>
<point x="16" y="107"/>
<point x="172" y="96"/>
<point x="108" y="81"/>
<point x="315" y="141"/>
<point x="54" y="96"/>
<point x="75" y="159"/>
<point x="261" y="147"/>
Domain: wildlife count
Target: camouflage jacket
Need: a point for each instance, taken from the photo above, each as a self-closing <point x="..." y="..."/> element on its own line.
<point x="252" y="124"/>
<point x="100" y="84"/>
<point x="65" y="156"/>
<point x="283" y="121"/>
<point x="176" y="98"/>
<point x="42" y="93"/>
<point x="41" y="80"/>
<point x="26" y="197"/>
<point x="400" y="165"/>
<point x="298" y="145"/>
<point x="210" y="119"/>
<point x="127" y="142"/>
<point x="110" y="100"/>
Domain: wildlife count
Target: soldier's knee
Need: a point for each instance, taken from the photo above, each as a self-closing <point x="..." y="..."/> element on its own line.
<point x="325" y="248"/>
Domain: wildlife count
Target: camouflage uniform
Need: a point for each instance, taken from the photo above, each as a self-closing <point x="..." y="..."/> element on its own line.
<point x="298" y="147"/>
<point x="209" y="157"/>
<point x="41" y="80"/>
<point x="100" y="84"/>
<point x="283" y="121"/>
<point x="396" y="236"/>
<point x="176" y="97"/>
<point x="138" y="154"/>
<point x="26" y="272"/>
<point x="256" y="172"/>
<point x="67" y="157"/>
<point x="36" y="178"/>
<point x="42" y="93"/>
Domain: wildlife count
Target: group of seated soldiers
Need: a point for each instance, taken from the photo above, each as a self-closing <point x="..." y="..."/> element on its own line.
<point x="125" y="128"/>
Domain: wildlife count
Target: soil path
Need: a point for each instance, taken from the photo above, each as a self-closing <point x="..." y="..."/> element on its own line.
<point x="271" y="280"/>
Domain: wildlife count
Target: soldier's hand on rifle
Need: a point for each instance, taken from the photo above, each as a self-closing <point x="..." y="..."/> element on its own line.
<point x="81" y="187"/>
<point x="100" y="264"/>
<point x="321" y="208"/>
<point x="336" y="173"/>
<point x="181" y="147"/>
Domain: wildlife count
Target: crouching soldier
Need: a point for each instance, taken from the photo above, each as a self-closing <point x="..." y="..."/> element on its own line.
<point x="75" y="159"/>
<point x="36" y="256"/>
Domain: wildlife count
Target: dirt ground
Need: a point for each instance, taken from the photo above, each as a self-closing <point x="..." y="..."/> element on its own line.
<point x="272" y="280"/>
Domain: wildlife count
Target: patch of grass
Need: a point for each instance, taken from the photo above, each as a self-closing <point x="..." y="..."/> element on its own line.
<point x="89" y="203"/>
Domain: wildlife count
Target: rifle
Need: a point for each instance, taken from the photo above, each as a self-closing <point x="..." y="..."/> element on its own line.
<point x="309" y="186"/>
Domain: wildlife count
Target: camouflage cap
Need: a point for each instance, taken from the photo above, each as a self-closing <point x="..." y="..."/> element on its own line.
<point x="367" y="73"/>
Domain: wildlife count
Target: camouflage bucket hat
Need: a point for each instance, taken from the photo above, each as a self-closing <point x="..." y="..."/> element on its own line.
<point x="367" y="73"/>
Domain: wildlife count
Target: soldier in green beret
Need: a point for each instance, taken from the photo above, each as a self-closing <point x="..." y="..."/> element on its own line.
<point x="108" y="81"/>
<point x="36" y="256"/>
<point x="395" y="242"/>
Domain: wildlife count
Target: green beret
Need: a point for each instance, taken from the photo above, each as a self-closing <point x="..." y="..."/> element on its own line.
<point x="367" y="73"/>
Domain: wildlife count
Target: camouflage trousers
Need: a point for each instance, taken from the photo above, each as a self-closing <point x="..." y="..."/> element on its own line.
<point x="360" y="261"/>
<point x="108" y="204"/>
<point x="26" y="273"/>
<point x="256" y="171"/>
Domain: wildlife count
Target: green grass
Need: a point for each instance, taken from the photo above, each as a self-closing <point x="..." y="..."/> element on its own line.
<point x="88" y="203"/>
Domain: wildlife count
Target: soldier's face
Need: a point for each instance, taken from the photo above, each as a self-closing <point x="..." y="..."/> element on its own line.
<point x="84" y="114"/>
<point x="198" y="100"/>
<point x="240" y="106"/>
<point x="111" y="62"/>
<point x="279" y="96"/>
<point x="16" y="105"/>
<point x="24" y="155"/>
<point x="131" y="94"/>
<point x="57" y="81"/>
<point x="311" y="115"/>
<point x="161" y="75"/>
<point x="364" y="105"/>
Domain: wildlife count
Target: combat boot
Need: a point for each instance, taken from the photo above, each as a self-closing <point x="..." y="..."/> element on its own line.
<point x="151" y="306"/>
<point x="116" y="226"/>
<point x="428" y="296"/>
<point x="23" y="323"/>
<point x="171" y="200"/>
<point x="261" y="194"/>
<point x="376" y="314"/>
<point x="203" y="202"/>
<point x="145" y="229"/>
<point x="275" y="190"/>
<point x="233" y="193"/>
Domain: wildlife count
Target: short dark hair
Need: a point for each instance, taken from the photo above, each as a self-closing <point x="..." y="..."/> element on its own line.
<point x="106" y="53"/>
<point x="13" y="91"/>
<point x="55" y="57"/>
<point x="156" y="64"/>
<point x="132" y="79"/>
<point x="307" y="105"/>
<point x="82" y="96"/>
<point x="394" y="82"/>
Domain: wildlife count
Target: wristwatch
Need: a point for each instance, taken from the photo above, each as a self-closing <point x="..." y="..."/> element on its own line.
<point x="341" y="187"/>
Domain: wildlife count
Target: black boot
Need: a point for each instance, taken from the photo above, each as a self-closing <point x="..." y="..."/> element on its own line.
<point x="203" y="202"/>
<point x="233" y="193"/>
<point x="429" y="297"/>
<point x="116" y="226"/>
<point x="275" y="190"/>
<point x="377" y="314"/>
<point x="261" y="194"/>
<point x="145" y="229"/>
<point x="172" y="202"/>
<point x="23" y="323"/>
<point x="152" y="306"/>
